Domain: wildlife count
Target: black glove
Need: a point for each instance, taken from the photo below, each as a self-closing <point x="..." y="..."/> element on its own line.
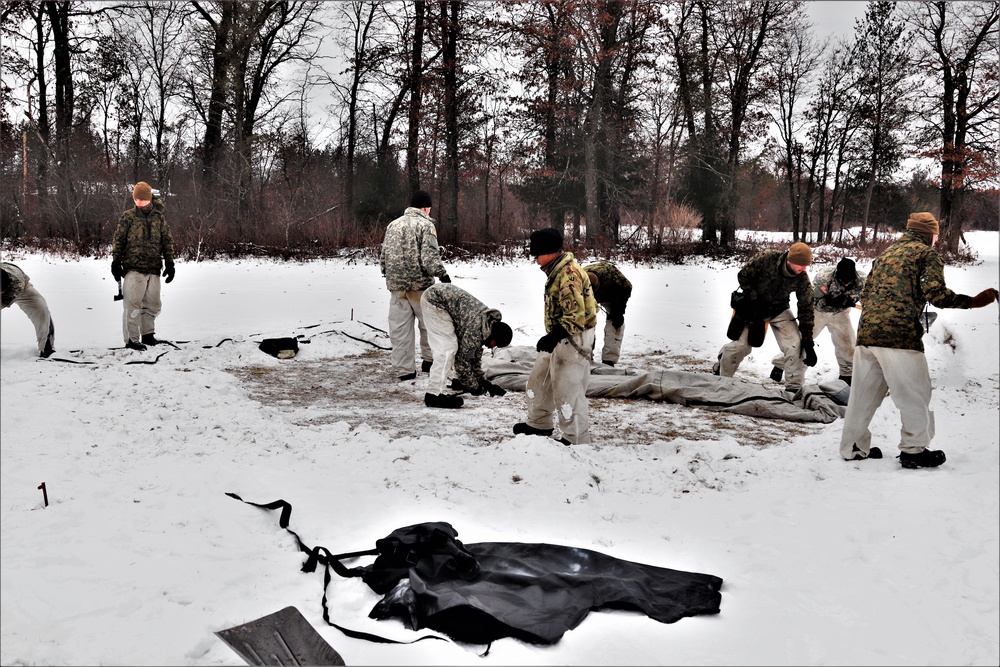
<point x="445" y="278"/>
<point x="116" y="269"/>
<point x="617" y="320"/>
<point x="841" y="301"/>
<point x="547" y="343"/>
<point x="456" y="385"/>
<point x="495" y="390"/>
<point x="748" y="310"/>
<point x="169" y="271"/>
<point x="809" y="353"/>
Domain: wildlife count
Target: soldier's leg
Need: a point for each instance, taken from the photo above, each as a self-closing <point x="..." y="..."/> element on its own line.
<point x="401" y="333"/>
<point x="34" y="306"/>
<point x="425" y="346"/>
<point x="151" y="305"/>
<point x="909" y="382"/>
<point x="844" y="337"/>
<point x="733" y="353"/>
<point x="133" y="291"/>
<point x="443" y="343"/>
<point x="612" y="342"/>
<point x="570" y="373"/>
<point x="538" y="394"/>
<point x="786" y="334"/>
<point x="867" y="393"/>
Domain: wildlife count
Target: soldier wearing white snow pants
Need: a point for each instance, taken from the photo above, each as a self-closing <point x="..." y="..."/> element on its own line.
<point x="786" y="334"/>
<point x="557" y="386"/>
<point x="141" y="292"/>
<point x="18" y="289"/>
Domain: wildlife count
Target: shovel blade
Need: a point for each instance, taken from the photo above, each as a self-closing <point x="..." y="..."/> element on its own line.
<point x="282" y="638"/>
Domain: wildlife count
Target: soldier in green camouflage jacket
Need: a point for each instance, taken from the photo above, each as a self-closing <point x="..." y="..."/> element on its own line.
<point x="18" y="289"/>
<point x="141" y="247"/>
<point x="459" y="325"/>
<point x="889" y="357"/>
<point x="410" y="259"/>
<point x="612" y="290"/>
<point x="557" y="385"/>
<point x="767" y="280"/>
<point x="836" y="290"/>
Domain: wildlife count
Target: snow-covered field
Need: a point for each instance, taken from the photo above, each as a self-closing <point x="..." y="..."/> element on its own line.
<point x="140" y="555"/>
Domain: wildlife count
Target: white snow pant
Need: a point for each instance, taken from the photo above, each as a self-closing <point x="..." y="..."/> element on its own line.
<point x="34" y="306"/>
<point x="904" y="376"/>
<point x="443" y="342"/>
<point x="558" y="384"/>
<point x="841" y="333"/>
<point x="141" y="292"/>
<point x="612" y="340"/>
<point x="404" y="308"/>
<point x="786" y="334"/>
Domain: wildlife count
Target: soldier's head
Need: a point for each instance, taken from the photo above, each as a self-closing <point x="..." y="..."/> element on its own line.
<point x="924" y="224"/>
<point x="142" y="194"/>
<point x="500" y="335"/>
<point x="421" y="199"/>
<point x="799" y="257"/>
<point x="544" y="244"/>
<point x="847" y="272"/>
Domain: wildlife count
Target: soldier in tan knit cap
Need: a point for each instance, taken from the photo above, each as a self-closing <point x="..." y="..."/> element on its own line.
<point x="766" y="282"/>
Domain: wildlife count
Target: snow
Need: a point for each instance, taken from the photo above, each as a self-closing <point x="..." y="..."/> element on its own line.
<point x="140" y="556"/>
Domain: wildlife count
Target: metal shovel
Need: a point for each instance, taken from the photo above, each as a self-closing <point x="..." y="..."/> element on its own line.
<point x="282" y="638"/>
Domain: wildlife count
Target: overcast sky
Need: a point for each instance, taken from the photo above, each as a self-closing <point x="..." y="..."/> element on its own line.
<point x="835" y="16"/>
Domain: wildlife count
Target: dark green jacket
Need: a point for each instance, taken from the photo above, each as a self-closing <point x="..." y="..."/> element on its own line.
<point x="766" y="280"/>
<point x="907" y="274"/>
<point x="142" y="240"/>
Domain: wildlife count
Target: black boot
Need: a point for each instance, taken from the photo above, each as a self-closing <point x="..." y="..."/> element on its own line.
<point x="521" y="427"/>
<point x="425" y="366"/>
<point x="776" y="373"/>
<point x="929" y="458"/>
<point x="135" y="345"/>
<point x="443" y="401"/>
<point x="873" y="453"/>
<point x="149" y="339"/>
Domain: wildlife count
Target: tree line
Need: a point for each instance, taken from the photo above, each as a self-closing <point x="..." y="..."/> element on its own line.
<point x="302" y="127"/>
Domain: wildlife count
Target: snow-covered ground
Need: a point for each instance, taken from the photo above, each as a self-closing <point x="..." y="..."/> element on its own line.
<point x="140" y="555"/>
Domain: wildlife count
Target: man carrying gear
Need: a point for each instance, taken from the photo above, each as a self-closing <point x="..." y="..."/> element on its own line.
<point x="612" y="291"/>
<point x="836" y="290"/>
<point x="18" y="289"/>
<point x="557" y="385"/>
<point x="765" y="283"/>
<point x="142" y="247"/>
<point x="459" y="326"/>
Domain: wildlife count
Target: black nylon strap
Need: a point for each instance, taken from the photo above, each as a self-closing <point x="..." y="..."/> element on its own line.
<point x="322" y="555"/>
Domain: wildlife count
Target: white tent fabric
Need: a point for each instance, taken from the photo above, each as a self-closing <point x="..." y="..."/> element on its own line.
<point x="825" y="403"/>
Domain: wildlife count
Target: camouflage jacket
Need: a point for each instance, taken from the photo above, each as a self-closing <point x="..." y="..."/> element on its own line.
<point x="473" y="322"/>
<point x="18" y="283"/>
<point x="614" y="289"/>
<point x="836" y="296"/>
<point x="410" y="256"/>
<point x="765" y="278"/>
<point x="569" y="299"/>
<point x="142" y="240"/>
<point x="904" y="277"/>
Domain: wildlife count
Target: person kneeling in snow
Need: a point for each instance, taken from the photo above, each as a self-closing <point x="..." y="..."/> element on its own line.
<point x="459" y="326"/>
<point x="17" y="289"/>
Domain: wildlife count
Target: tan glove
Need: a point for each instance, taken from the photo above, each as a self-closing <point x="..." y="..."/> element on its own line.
<point x="984" y="298"/>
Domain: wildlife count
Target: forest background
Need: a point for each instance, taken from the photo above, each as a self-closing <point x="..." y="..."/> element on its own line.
<point x="645" y="128"/>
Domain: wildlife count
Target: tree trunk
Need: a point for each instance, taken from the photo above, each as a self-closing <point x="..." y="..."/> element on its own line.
<point x="416" y="84"/>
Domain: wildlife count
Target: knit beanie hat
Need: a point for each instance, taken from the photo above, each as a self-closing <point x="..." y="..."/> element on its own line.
<point x="501" y="334"/>
<point x="924" y="223"/>
<point x="420" y="199"/>
<point x="847" y="273"/>
<point x="595" y="282"/>
<point x="545" y="241"/>
<point x="800" y="254"/>
<point x="142" y="191"/>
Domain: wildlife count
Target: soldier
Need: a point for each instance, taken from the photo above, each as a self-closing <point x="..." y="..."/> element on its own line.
<point x="766" y="282"/>
<point x="18" y="289"/>
<point x="612" y="291"/>
<point x="889" y="357"/>
<point x="459" y="326"/>
<point x="836" y="290"/>
<point x="558" y="381"/>
<point x="142" y="245"/>
<point x="410" y="260"/>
